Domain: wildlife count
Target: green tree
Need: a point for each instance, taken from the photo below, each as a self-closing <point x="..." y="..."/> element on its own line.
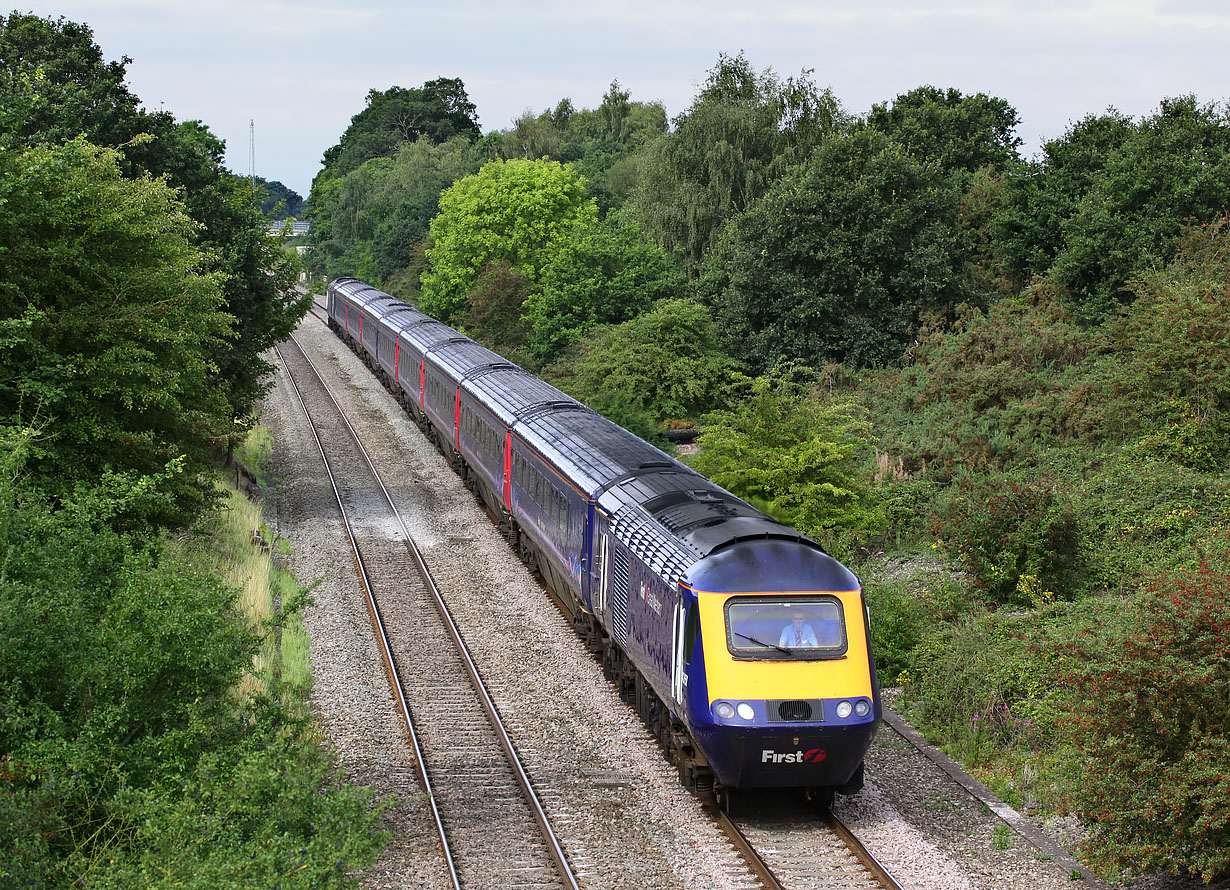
<point x="438" y="110"/>
<point x="789" y="447"/>
<point x="1173" y="171"/>
<point x="1042" y="196"/>
<point x="514" y="211"/>
<point x="280" y="199"/>
<point x="56" y="75"/>
<point x="109" y="324"/>
<point x="740" y="135"/>
<point x="604" y="274"/>
<point x="55" y="68"/>
<point x="663" y="365"/>
<point x="841" y="260"/>
<point x="602" y="143"/>
<point x="959" y="133"/>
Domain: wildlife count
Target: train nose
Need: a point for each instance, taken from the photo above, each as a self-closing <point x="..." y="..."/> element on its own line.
<point x="813" y="759"/>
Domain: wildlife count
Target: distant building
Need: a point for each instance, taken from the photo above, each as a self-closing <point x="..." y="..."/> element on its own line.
<point x="297" y="227"/>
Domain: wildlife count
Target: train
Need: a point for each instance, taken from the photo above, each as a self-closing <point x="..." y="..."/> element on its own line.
<point x="744" y="645"/>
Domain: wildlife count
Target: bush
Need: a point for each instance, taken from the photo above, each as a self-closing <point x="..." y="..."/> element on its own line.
<point x="1018" y="541"/>
<point x="1148" y="718"/>
<point x="980" y="689"/>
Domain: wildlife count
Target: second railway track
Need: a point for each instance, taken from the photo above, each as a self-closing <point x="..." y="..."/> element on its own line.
<point x="494" y="832"/>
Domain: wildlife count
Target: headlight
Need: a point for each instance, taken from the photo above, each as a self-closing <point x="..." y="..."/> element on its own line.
<point x="725" y="710"/>
<point x="843" y="709"/>
<point x="862" y="707"/>
<point x="745" y="711"/>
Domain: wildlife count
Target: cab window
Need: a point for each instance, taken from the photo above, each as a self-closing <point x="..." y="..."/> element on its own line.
<point x="810" y="627"/>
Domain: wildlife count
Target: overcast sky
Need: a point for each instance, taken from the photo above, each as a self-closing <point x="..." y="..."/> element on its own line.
<point x="301" y="70"/>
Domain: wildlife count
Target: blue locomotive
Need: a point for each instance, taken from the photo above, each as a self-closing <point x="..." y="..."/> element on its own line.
<point x="743" y="644"/>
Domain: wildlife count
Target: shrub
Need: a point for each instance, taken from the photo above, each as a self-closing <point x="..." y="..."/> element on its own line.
<point x="1018" y="541"/>
<point x="1148" y="716"/>
<point x="980" y="689"/>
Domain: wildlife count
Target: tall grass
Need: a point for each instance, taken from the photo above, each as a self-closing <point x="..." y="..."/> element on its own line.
<point x="242" y="545"/>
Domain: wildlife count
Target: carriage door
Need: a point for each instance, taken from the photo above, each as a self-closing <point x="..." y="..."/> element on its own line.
<point x="602" y="573"/>
<point x="679" y="625"/>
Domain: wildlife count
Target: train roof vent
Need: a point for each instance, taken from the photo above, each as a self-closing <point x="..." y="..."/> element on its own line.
<point x="684" y="509"/>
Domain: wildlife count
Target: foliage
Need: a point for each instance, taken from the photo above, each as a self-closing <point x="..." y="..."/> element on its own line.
<point x="740" y="135"/>
<point x="602" y="142"/>
<point x="1111" y="199"/>
<point x="280" y="201"/>
<point x="368" y="222"/>
<point x="839" y="262"/>
<point x="124" y="748"/>
<point x="662" y="365"/>
<point x="1018" y="541"/>
<point x="108" y="324"/>
<point x="984" y="689"/>
<point x="58" y="76"/>
<point x="438" y="110"/>
<point x="990" y="391"/>
<point x="790" y="446"/>
<point x="959" y="133"/>
<point x="517" y="211"/>
<point x="1028" y="228"/>
<point x="1176" y="346"/>
<point x="493" y="315"/>
<point x="602" y="274"/>
<point x="1148" y="725"/>
<point x="53" y="76"/>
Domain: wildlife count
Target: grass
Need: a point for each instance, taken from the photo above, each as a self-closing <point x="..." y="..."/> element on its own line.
<point x="240" y="544"/>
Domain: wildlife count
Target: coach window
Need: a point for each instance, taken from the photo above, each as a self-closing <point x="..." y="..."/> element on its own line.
<point x="804" y="627"/>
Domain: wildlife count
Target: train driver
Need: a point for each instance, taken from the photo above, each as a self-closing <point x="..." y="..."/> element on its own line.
<point x="796" y="634"/>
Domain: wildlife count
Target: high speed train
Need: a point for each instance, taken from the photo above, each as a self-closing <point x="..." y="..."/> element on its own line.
<point x="743" y="645"/>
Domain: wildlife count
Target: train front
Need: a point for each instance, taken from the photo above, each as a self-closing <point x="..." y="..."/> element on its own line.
<point x="783" y="692"/>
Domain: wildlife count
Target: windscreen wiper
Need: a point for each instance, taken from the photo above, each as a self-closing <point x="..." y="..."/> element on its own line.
<point x="763" y="643"/>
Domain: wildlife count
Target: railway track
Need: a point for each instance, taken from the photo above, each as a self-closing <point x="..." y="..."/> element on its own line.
<point x="795" y="847"/>
<point x="493" y="829"/>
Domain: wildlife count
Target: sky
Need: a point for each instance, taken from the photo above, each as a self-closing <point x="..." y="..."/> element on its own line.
<point x="292" y="74"/>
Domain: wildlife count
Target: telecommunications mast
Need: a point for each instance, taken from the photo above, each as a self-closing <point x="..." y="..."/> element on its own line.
<point x="252" y="153"/>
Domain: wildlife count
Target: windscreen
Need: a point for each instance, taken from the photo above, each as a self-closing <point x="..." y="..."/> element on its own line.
<point x="806" y="627"/>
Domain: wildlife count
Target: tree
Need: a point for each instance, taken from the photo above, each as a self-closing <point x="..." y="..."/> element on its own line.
<point x="283" y="200"/>
<point x="55" y="68"/>
<point x="959" y="133"/>
<point x="55" y="74"/>
<point x="517" y="211"/>
<point x="740" y="135"/>
<point x="603" y="274"/>
<point x="439" y="110"/>
<point x="662" y="365"/>
<point x="841" y="260"/>
<point x="1174" y="170"/>
<point x="785" y="445"/>
<point x="109" y="324"/>
<point x="1027" y="229"/>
